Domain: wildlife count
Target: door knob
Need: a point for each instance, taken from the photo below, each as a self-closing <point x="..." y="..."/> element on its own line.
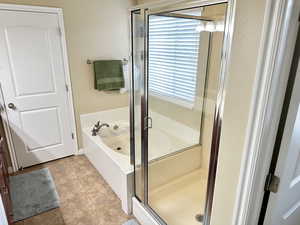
<point x="12" y="106"/>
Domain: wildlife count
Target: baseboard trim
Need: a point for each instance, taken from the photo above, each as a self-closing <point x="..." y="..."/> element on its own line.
<point x="141" y="214"/>
<point x="10" y="170"/>
<point x="80" y="151"/>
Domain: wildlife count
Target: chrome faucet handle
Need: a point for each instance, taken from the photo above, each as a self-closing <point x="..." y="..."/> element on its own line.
<point x="94" y="131"/>
<point x="96" y="128"/>
<point x="97" y="125"/>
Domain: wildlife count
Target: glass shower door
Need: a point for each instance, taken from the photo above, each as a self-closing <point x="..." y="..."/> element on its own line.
<point x="184" y="60"/>
<point x="177" y="75"/>
<point x="176" y="64"/>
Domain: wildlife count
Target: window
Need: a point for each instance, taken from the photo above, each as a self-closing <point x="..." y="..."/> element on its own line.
<point x="173" y="58"/>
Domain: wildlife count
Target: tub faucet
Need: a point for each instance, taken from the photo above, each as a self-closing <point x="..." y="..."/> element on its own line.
<point x="97" y="128"/>
<point x="103" y="125"/>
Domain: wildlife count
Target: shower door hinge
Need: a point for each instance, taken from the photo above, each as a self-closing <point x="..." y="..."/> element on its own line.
<point x="59" y="31"/>
<point x="67" y="87"/>
<point x="142" y="55"/>
<point x="141" y="32"/>
<point x="147" y="122"/>
<point x="272" y="183"/>
<point x="72" y="135"/>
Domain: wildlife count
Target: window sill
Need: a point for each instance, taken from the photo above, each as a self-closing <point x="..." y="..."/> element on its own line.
<point x="176" y="101"/>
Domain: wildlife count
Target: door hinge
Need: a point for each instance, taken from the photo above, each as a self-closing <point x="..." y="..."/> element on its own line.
<point x="67" y="87"/>
<point x="272" y="183"/>
<point x="72" y="135"/>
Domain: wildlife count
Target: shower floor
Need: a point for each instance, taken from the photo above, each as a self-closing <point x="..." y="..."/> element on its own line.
<point x="179" y="201"/>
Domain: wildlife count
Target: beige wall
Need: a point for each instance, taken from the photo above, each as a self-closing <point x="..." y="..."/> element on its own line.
<point x="239" y="91"/>
<point x="94" y="29"/>
<point x="144" y="1"/>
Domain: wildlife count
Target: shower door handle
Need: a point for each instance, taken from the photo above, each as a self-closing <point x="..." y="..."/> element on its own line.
<point x="148" y="122"/>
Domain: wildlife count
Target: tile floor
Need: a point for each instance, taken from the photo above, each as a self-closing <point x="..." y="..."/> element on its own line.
<point x="85" y="198"/>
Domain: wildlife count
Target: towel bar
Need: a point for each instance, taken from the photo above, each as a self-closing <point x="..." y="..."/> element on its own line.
<point x="125" y="61"/>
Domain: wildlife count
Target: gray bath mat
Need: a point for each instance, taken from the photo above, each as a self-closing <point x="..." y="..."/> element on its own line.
<point x="131" y="222"/>
<point x="33" y="193"/>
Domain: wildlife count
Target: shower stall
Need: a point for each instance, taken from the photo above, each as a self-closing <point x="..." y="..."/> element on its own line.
<point x="179" y="58"/>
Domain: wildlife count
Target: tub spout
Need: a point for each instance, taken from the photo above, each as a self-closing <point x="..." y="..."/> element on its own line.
<point x="98" y="127"/>
<point x="103" y="125"/>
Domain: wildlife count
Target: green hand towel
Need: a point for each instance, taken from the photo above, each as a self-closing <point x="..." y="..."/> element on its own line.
<point x="108" y="75"/>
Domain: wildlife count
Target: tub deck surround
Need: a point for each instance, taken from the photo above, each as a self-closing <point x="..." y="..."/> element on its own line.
<point x="121" y="160"/>
<point x="114" y="165"/>
<point x="118" y="140"/>
<point x="163" y="123"/>
<point x="88" y="120"/>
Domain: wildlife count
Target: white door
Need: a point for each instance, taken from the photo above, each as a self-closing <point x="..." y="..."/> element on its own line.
<point x="3" y="219"/>
<point x="284" y="206"/>
<point x="34" y="87"/>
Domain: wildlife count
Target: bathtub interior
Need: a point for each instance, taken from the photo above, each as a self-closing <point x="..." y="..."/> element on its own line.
<point x="117" y="136"/>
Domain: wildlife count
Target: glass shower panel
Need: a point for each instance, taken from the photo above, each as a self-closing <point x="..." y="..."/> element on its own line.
<point x="137" y="88"/>
<point x="184" y="57"/>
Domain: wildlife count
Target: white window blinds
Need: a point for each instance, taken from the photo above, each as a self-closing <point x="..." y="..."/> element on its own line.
<point x="173" y="57"/>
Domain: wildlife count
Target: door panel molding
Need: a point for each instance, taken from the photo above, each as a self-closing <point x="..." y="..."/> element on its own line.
<point x="13" y="54"/>
<point x="54" y="135"/>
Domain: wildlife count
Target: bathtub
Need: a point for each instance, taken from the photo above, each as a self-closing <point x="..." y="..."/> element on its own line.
<point x="109" y="151"/>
